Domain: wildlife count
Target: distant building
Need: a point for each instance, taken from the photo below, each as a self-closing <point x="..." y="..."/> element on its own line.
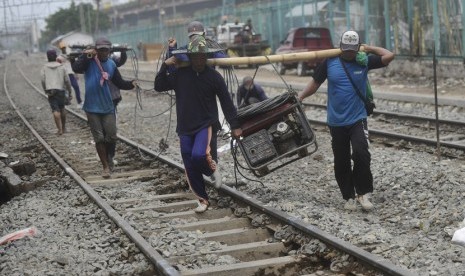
<point x="72" y="38"/>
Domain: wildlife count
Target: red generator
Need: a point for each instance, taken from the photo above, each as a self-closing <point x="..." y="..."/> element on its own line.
<point x="275" y="132"/>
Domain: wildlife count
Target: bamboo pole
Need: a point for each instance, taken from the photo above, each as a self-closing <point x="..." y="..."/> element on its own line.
<point x="301" y="56"/>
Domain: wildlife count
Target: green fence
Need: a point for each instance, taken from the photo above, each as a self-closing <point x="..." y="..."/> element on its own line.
<point x="408" y="27"/>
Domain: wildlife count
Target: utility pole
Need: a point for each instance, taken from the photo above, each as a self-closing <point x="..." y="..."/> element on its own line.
<point x="228" y="10"/>
<point x="4" y="22"/>
<point x="161" y="12"/>
<point x="81" y="18"/>
<point x="96" y="16"/>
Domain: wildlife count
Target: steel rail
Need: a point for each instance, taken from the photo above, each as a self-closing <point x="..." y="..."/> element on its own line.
<point x="411" y="138"/>
<point x="402" y="116"/>
<point x="156" y="259"/>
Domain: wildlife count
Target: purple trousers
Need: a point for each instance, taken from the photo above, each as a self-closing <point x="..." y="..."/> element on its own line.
<point x="198" y="152"/>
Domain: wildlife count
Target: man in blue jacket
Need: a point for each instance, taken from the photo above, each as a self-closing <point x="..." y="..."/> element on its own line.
<point x="196" y="88"/>
<point x="98" y="69"/>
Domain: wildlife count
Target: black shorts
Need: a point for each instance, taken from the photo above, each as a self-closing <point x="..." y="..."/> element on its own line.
<point x="56" y="99"/>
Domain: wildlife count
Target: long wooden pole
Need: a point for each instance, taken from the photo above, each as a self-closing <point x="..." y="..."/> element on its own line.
<point x="301" y="56"/>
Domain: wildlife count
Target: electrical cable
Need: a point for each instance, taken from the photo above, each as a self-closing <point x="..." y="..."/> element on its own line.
<point x="237" y="165"/>
<point x="262" y="107"/>
<point x="163" y="144"/>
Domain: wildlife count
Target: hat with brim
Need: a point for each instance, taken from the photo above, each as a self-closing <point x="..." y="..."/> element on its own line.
<point x="199" y="45"/>
<point x="195" y="33"/>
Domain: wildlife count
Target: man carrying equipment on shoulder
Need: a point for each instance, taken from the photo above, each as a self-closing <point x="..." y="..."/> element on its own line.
<point x="347" y="117"/>
<point x="197" y="88"/>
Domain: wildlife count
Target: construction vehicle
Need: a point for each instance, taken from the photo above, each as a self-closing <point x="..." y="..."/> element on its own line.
<point x="239" y="40"/>
<point x="303" y="39"/>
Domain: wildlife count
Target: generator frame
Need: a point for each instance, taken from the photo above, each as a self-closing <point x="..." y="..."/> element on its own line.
<point x="260" y="152"/>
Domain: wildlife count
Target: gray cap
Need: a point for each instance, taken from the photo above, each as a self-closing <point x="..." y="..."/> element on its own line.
<point x="247" y="79"/>
<point x="195" y="27"/>
<point x="102" y="42"/>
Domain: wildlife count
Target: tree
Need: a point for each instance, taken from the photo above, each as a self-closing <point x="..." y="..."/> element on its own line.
<point x="67" y="20"/>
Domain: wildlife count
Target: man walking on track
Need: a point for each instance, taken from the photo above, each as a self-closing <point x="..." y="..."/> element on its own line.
<point x="347" y="115"/>
<point x="54" y="81"/>
<point x="98" y="69"/>
<point x="197" y="88"/>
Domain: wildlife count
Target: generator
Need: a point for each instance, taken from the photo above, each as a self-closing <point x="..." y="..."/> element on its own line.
<point x="275" y="132"/>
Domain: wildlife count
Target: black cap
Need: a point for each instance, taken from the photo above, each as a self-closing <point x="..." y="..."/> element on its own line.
<point x="102" y="43"/>
<point x="51" y="55"/>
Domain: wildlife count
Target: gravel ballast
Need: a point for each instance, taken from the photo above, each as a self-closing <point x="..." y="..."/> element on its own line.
<point x="418" y="199"/>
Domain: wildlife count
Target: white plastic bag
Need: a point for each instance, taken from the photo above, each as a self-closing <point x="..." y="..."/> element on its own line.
<point x="27" y="232"/>
<point x="459" y="237"/>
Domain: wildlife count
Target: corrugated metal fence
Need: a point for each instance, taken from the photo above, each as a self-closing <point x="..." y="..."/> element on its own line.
<point x="409" y="27"/>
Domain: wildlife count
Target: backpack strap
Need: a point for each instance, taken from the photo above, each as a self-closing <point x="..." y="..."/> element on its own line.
<point x="352" y="82"/>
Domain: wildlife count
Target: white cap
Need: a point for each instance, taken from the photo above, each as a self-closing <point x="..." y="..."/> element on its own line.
<point x="350" y="41"/>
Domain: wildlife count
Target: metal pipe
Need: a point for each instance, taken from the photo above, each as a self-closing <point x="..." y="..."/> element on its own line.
<point x="436" y="34"/>
<point x="387" y="25"/>
<point x="410" y="25"/>
<point x="463" y="29"/>
<point x="348" y="15"/>
<point x="438" y="141"/>
<point x="367" y="20"/>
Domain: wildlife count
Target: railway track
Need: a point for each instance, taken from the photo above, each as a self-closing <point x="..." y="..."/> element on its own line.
<point x="148" y="198"/>
<point x="408" y="128"/>
<point x="394" y="128"/>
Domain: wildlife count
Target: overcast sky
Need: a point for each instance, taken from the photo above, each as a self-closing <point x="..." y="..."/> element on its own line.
<point x="21" y="12"/>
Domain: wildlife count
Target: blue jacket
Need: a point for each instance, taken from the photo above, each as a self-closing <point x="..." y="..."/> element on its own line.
<point x="98" y="97"/>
